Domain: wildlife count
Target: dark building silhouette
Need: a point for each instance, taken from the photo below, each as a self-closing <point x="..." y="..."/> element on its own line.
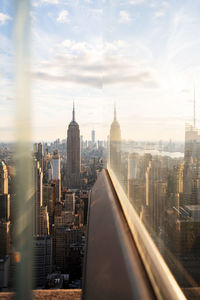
<point x="73" y="154"/>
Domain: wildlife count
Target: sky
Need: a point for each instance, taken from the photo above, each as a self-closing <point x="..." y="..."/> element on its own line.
<point x="142" y="55"/>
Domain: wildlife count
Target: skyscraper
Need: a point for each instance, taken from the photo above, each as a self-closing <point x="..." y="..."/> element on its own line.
<point x="56" y="176"/>
<point x="3" y="178"/>
<point x="56" y="165"/>
<point x="115" y="145"/>
<point x="115" y="131"/>
<point x="73" y="154"/>
<point x="38" y="196"/>
<point x="93" y="136"/>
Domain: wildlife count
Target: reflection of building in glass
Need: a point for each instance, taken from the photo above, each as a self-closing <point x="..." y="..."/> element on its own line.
<point x="192" y="144"/>
<point x="156" y="191"/>
<point x="73" y="154"/>
<point x="191" y="173"/>
<point x="115" y="146"/>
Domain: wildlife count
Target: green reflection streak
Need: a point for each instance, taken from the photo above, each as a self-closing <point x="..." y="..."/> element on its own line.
<point x="24" y="186"/>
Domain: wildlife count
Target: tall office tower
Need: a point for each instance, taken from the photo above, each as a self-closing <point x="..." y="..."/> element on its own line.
<point x="5" y="207"/>
<point x="69" y="201"/>
<point x="42" y="260"/>
<point x="3" y="178"/>
<point x="38" y="196"/>
<point x="5" y="238"/>
<point x="56" y="175"/>
<point x="192" y="144"/>
<point x="156" y="193"/>
<point x="191" y="172"/>
<point x="44" y="221"/>
<point x="73" y="154"/>
<point x="115" y="146"/>
<point x="49" y="201"/>
<point x="47" y="167"/>
<point x="40" y="155"/>
<point x="93" y="136"/>
<point x="132" y="173"/>
<point x="192" y="141"/>
<point x="49" y="171"/>
<point x="56" y="165"/>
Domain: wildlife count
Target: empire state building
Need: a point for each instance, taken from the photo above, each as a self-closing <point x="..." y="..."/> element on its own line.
<point x="115" y="145"/>
<point x="73" y="154"/>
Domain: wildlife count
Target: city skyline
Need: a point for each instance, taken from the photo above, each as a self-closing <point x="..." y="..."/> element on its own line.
<point x="138" y="57"/>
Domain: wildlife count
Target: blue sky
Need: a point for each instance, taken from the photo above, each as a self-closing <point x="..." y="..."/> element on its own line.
<point x="141" y="54"/>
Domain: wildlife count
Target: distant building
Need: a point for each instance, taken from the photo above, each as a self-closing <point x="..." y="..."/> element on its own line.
<point x="115" y="146"/>
<point x="40" y="155"/>
<point x="38" y="196"/>
<point x="42" y="259"/>
<point x="56" y="165"/>
<point x="56" y="176"/>
<point x="5" y="238"/>
<point x="49" y="201"/>
<point x="3" y="178"/>
<point x="93" y="136"/>
<point x="69" y="201"/>
<point x="49" y="171"/>
<point x="44" y="221"/>
<point x="4" y="272"/>
<point x="73" y="154"/>
<point x="63" y="238"/>
<point x="5" y="207"/>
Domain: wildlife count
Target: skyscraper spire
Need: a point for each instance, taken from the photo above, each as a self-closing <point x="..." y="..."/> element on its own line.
<point x="115" y="118"/>
<point x="73" y="154"/>
<point x="73" y="113"/>
<point x="194" y="109"/>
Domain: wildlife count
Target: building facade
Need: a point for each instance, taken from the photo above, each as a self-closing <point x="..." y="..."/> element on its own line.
<point x="73" y="154"/>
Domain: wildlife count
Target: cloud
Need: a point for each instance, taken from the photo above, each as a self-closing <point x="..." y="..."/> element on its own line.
<point x="41" y="2"/>
<point x="159" y="14"/>
<point x="92" y="81"/>
<point x="82" y="63"/>
<point x="63" y="17"/>
<point x="4" y="18"/>
<point x="159" y="4"/>
<point x="50" y="1"/>
<point x="136" y="2"/>
<point x="124" y="16"/>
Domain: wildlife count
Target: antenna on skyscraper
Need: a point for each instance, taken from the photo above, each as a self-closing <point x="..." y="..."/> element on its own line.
<point x="194" y="108"/>
<point x="73" y="113"/>
<point x="115" y="118"/>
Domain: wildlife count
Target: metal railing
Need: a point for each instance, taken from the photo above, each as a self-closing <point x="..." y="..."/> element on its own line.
<point x="163" y="282"/>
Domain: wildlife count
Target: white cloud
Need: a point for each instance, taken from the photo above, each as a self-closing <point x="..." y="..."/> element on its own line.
<point x="88" y="1"/>
<point x="50" y="1"/>
<point x="66" y="43"/>
<point x="136" y="2"/>
<point x="124" y="17"/>
<point x="63" y="17"/>
<point x="159" y="14"/>
<point x="40" y="2"/>
<point x="4" y="18"/>
<point x="93" y="65"/>
<point x="110" y="47"/>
